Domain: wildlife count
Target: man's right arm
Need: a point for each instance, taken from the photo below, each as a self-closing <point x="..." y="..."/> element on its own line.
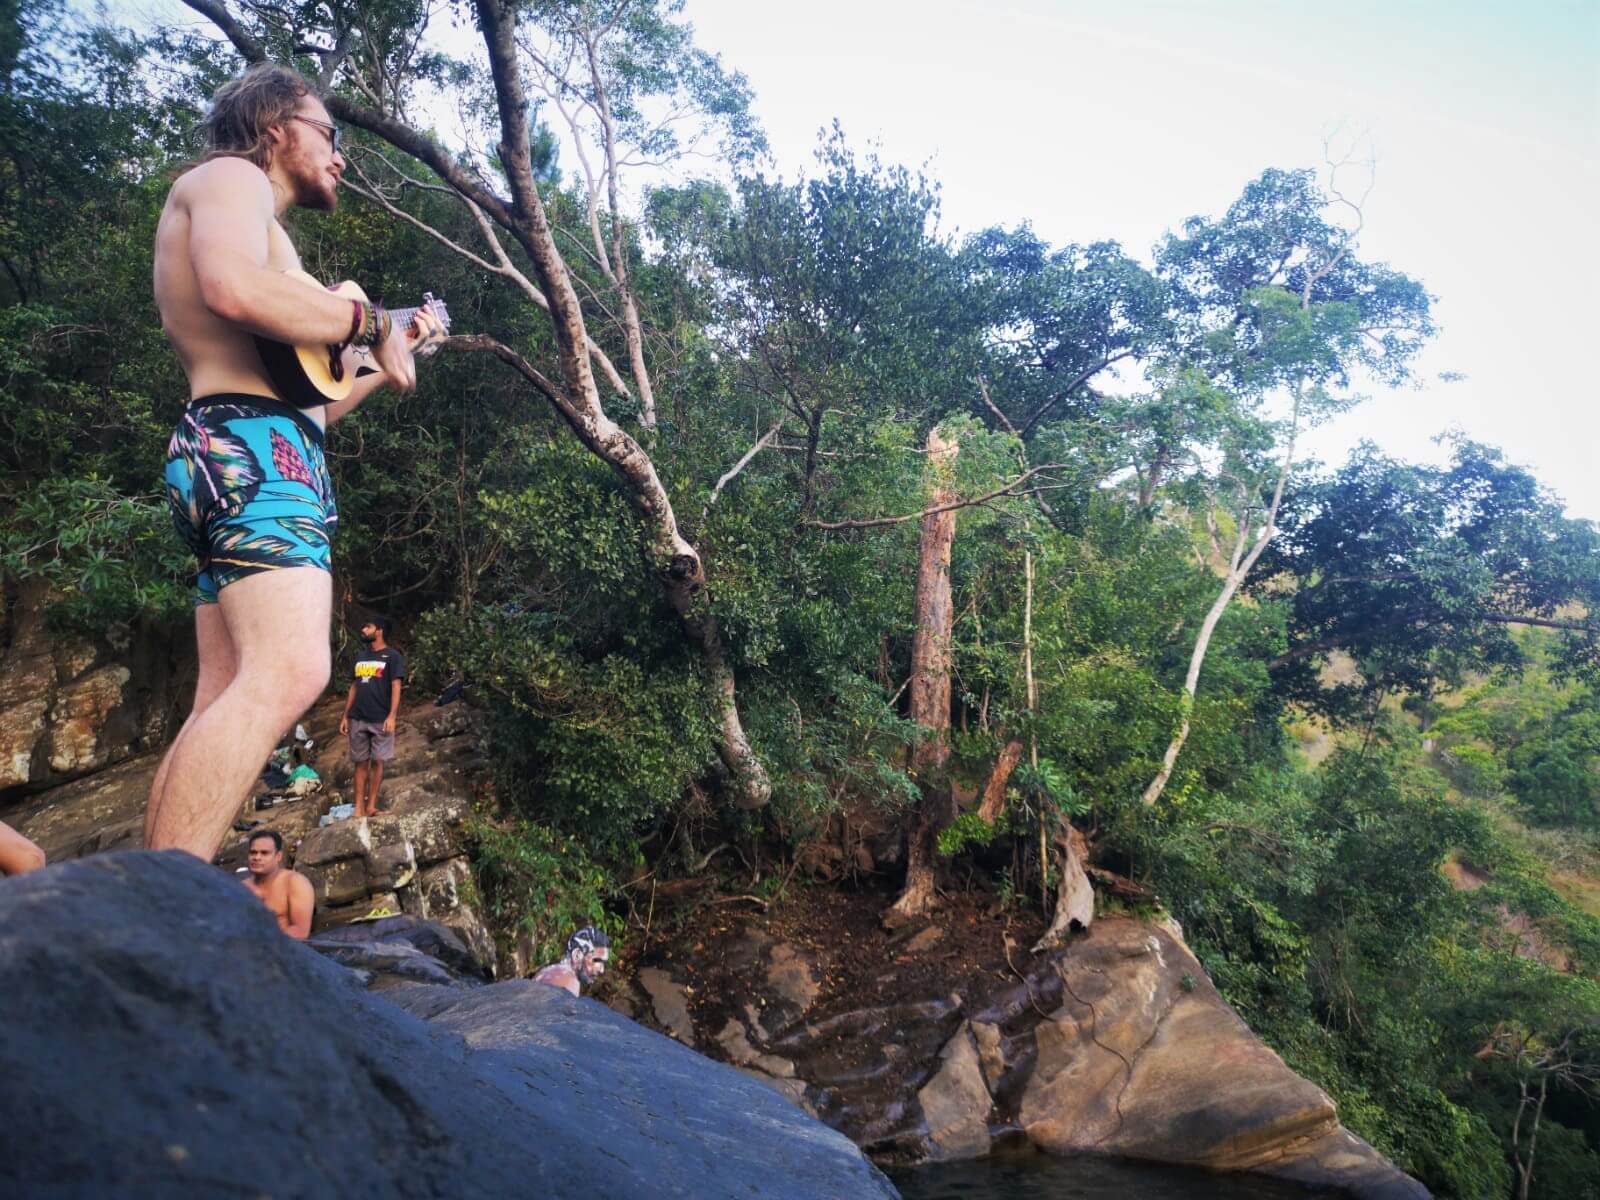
<point x="230" y="217"/>
<point x="349" y="703"/>
<point x="231" y="214"/>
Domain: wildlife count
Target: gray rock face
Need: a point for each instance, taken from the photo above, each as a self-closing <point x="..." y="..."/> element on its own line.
<point x="413" y="856"/>
<point x="402" y="949"/>
<point x="955" y="1102"/>
<point x="159" y="1037"/>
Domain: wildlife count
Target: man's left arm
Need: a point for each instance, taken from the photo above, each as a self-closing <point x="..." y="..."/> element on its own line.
<point x="302" y="903"/>
<point x="394" y="704"/>
<point x="356" y="357"/>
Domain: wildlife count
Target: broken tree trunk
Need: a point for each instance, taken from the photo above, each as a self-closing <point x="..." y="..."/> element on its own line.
<point x="930" y="682"/>
<point x="1074" y="895"/>
<point x="994" y="790"/>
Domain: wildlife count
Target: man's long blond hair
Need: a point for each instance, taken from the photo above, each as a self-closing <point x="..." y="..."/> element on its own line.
<point x="244" y="109"/>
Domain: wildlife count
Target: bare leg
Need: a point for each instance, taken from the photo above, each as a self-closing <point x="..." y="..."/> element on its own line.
<point x="361" y="789"/>
<point x="374" y="778"/>
<point x="218" y="664"/>
<point x="278" y="624"/>
<point x="18" y="855"/>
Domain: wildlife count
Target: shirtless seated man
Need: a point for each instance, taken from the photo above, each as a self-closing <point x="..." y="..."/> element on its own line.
<point x="588" y="951"/>
<point x="246" y="478"/>
<point x="285" y="892"/>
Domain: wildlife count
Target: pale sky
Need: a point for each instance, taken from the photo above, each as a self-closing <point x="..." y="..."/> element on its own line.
<point x="1117" y="120"/>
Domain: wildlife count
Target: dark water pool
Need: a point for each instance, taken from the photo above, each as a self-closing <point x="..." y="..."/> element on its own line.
<point x="1029" y="1175"/>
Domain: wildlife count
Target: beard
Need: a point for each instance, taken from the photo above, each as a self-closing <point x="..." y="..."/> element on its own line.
<point x="313" y="187"/>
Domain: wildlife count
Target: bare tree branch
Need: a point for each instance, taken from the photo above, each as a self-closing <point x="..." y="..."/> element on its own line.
<point x="1005" y="421"/>
<point x="1009" y="489"/>
<point x="253" y="51"/>
<point x="1078" y="381"/>
<point x="503" y="265"/>
<point x="734" y="470"/>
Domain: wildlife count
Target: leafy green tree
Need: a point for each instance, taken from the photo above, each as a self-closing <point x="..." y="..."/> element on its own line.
<point x="1275" y="302"/>
<point x="84" y="370"/>
<point x="1420" y="574"/>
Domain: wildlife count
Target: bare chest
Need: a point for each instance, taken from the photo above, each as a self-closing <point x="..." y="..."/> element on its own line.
<point x="274" y="894"/>
<point x="281" y="254"/>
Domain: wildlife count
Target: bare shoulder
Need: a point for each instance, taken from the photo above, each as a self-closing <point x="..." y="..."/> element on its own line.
<point x="299" y="884"/>
<point x="558" y="974"/>
<point x="227" y="178"/>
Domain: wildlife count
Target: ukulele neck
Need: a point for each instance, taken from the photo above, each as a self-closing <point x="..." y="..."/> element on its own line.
<point x="404" y="318"/>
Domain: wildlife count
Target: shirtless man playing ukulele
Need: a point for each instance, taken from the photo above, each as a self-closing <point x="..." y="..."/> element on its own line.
<point x="246" y="477"/>
<point x="286" y="893"/>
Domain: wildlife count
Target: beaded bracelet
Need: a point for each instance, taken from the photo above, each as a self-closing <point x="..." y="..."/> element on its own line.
<point x="370" y="324"/>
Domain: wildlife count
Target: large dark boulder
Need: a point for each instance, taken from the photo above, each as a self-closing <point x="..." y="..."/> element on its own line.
<point x="160" y="1037"/>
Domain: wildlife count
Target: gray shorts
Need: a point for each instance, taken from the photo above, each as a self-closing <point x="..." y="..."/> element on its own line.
<point x="368" y="742"/>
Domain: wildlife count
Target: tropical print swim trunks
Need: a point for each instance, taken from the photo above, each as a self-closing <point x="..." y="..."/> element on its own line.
<point x="248" y="487"/>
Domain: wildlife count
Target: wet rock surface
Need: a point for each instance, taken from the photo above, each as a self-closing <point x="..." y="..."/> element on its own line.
<point x="159" y="1037"/>
<point x="1114" y="1044"/>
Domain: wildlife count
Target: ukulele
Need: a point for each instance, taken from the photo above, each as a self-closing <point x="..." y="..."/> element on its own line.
<point x="308" y="376"/>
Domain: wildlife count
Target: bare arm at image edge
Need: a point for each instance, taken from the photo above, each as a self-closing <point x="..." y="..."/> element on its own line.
<point x="18" y="855"/>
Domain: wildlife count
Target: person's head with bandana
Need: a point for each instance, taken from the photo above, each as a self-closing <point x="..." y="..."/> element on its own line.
<point x="588" y="951"/>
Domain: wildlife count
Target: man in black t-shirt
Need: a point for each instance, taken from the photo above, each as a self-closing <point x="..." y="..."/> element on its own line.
<point x="370" y="712"/>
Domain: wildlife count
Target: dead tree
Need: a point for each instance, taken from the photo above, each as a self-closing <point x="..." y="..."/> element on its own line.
<point x="1537" y="1062"/>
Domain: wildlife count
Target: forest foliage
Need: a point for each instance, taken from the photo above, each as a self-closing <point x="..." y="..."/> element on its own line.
<point x="1129" y="415"/>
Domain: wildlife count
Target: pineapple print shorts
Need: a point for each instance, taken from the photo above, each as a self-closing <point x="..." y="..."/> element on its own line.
<point x="248" y="487"/>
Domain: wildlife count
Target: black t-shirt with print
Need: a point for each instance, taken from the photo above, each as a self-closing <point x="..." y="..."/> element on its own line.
<point x="375" y="673"/>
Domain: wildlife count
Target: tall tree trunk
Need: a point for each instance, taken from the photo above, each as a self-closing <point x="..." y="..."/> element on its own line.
<point x="930" y="682"/>
<point x="1075" y="894"/>
<point x="677" y="563"/>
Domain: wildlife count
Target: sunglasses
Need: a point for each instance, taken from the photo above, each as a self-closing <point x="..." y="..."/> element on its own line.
<point x="332" y="131"/>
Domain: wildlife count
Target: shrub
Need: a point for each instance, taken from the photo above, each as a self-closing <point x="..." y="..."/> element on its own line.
<point x="535" y="881"/>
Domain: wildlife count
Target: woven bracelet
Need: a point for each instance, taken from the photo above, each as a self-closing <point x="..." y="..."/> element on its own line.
<point x="375" y="325"/>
